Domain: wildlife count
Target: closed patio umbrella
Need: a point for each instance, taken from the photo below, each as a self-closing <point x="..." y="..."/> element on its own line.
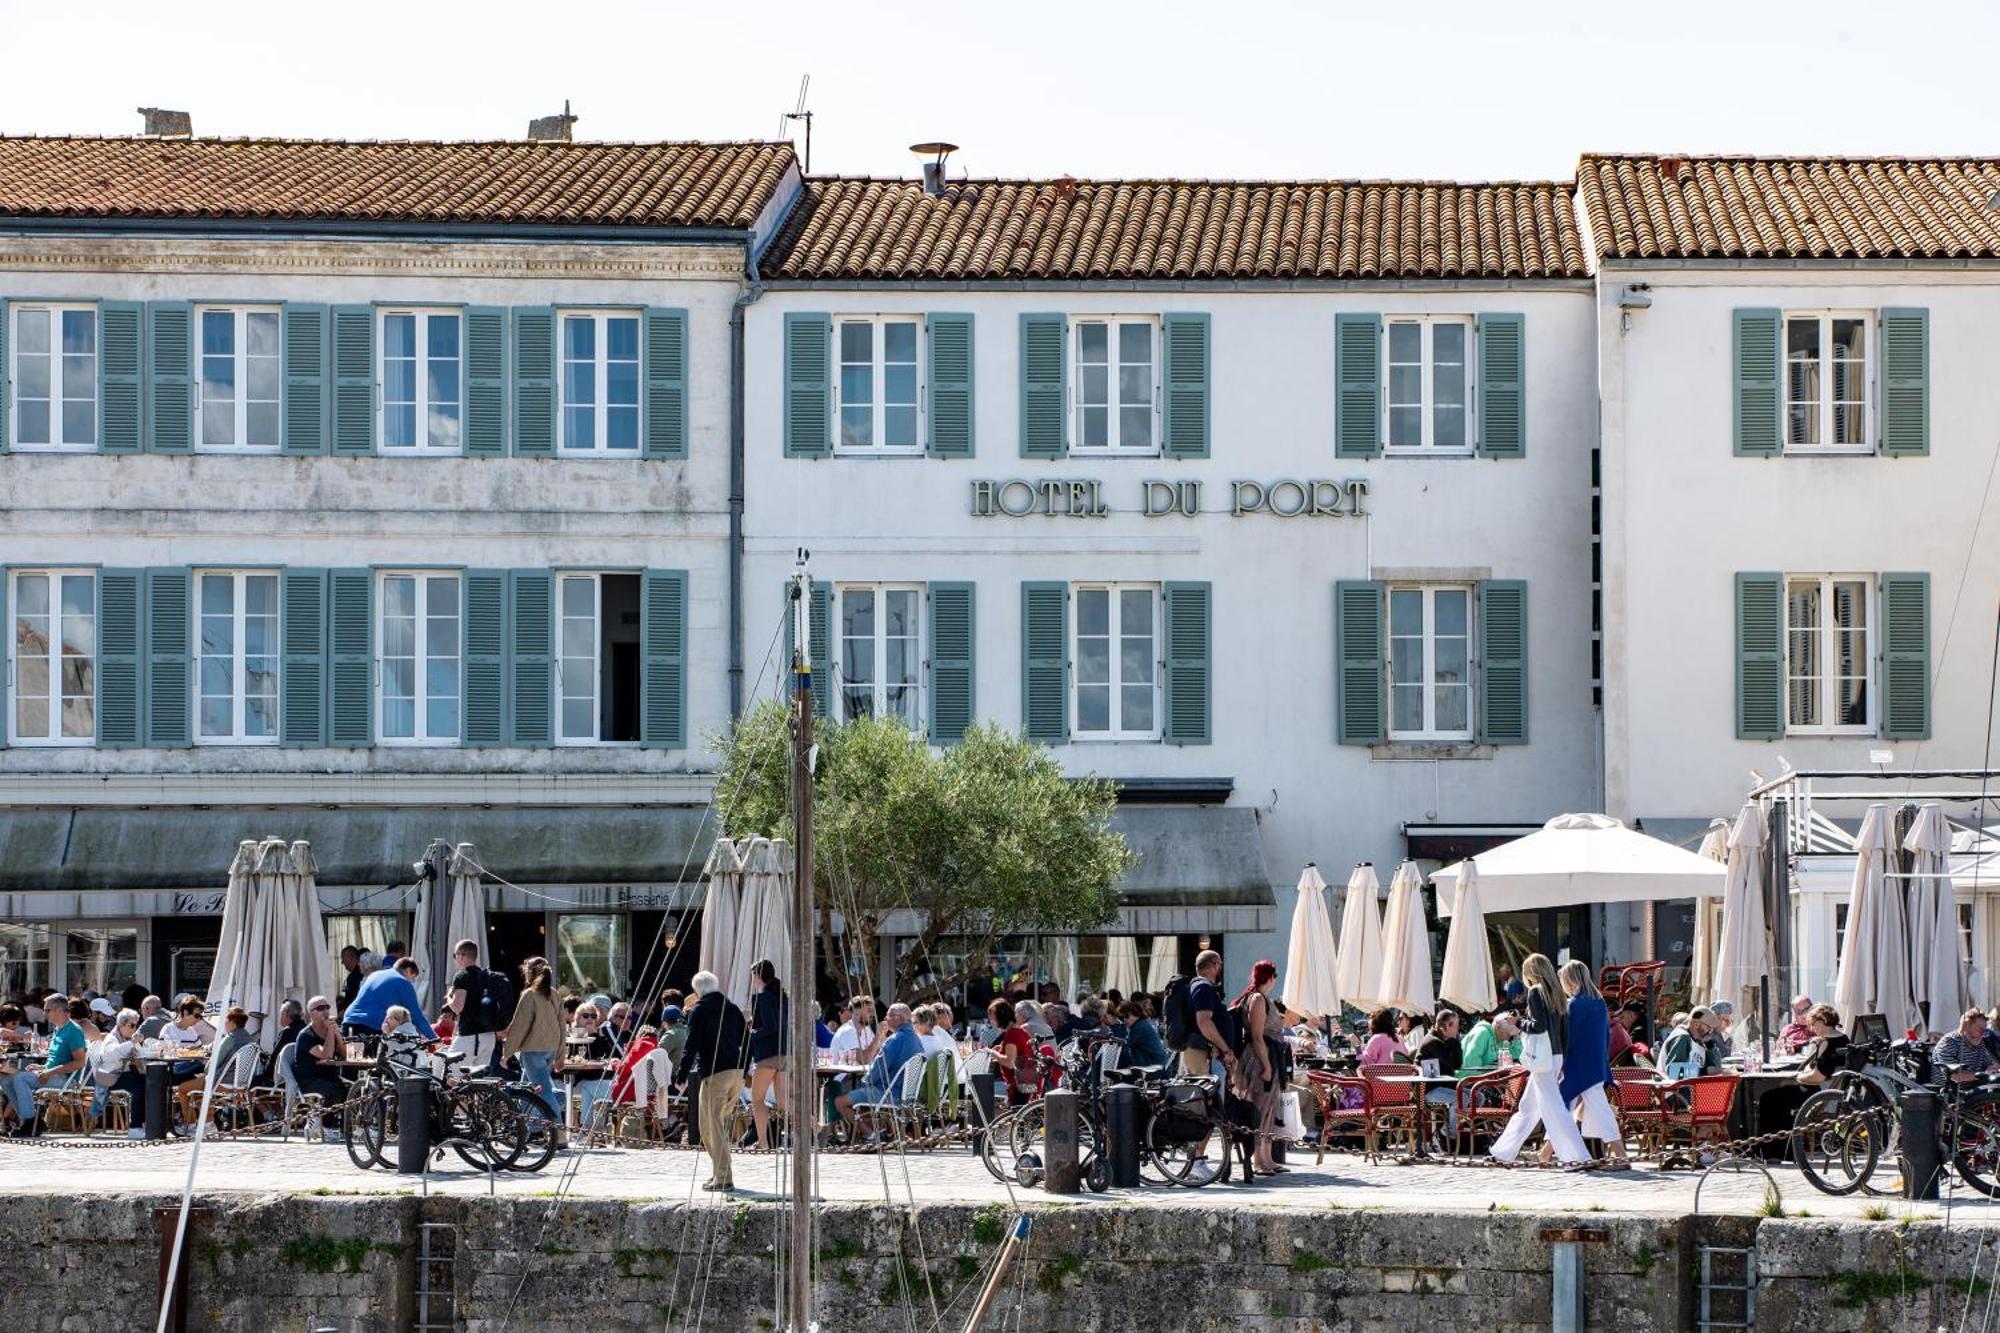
<point x="1707" y="914"/>
<point x="1468" y="962"/>
<point x="1059" y="958"/>
<point x="1357" y="973"/>
<point x="1937" y="966"/>
<point x="468" y="899"/>
<point x="1874" y="975"/>
<point x="256" y="990"/>
<point x="1406" y="945"/>
<point x="767" y="892"/>
<point x="229" y="950"/>
<point x="1743" y="956"/>
<point x="1308" y="982"/>
<point x="1121" y="964"/>
<point x="724" y="872"/>
<point x="1161" y="963"/>
<point x="302" y="960"/>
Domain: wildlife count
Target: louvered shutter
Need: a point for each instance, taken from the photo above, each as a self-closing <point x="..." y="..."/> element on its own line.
<point x="1760" y="656"/>
<point x="1045" y="661"/>
<point x="302" y="684"/>
<point x="663" y="606"/>
<point x="6" y="583"/>
<point x="1357" y="375"/>
<point x="170" y="376"/>
<point x="350" y="596"/>
<point x="1503" y="394"/>
<point x="1906" y="657"/>
<point x="666" y="383"/>
<point x="119" y="374"/>
<point x="1044" y="386"/>
<point x="808" y="384"/>
<point x="1189" y="683"/>
<point x="951" y="385"/>
<point x="534" y="383"/>
<point x="6" y="405"/>
<point x="169" y="658"/>
<point x="1503" y="662"/>
<point x="1757" y="364"/>
<point x="1359" y="709"/>
<point x="952" y="644"/>
<point x="120" y="685"/>
<point x="1185" y="425"/>
<point x="531" y="613"/>
<point x="353" y="380"/>
<point x="483" y="710"/>
<point x="306" y="395"/>
<point x="486" y="384"/>
<point x="1906" y="382"/>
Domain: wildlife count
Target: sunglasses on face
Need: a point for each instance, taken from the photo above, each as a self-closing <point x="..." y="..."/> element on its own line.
<point x="322" y="1008"/>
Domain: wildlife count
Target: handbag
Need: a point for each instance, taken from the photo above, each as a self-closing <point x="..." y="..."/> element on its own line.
<point x="1538" y="1053"/>
<point x="1291" y="1121"/>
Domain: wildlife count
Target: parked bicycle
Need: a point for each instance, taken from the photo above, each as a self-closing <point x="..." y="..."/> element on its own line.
<point x="489" y="1124"/>
<point x="1846" y="1137"/>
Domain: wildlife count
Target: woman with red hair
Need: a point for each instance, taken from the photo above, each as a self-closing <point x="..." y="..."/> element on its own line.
<point x="1254" y="1079"/>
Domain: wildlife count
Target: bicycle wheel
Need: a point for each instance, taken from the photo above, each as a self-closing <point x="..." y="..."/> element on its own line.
<point x="1181" y="1160"/>
<point x="368" y="1124"/>
<point x="996" y="1148"/>
<point x="539" y="1128"/>
<point x="1031" y="1138"/>
<point x="1834" y="1154"/>
<point x="1975" y="1148"/>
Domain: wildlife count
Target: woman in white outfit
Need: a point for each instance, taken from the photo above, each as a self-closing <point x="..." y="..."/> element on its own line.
<point x="1542" y="1053"/>
<point x="1586" y="1065"/>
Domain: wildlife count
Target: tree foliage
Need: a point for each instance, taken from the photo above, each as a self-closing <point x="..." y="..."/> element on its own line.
<point x="983" y="839"/>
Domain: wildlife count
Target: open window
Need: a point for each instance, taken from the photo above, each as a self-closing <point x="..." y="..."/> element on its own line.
<point x="598" y="672"/>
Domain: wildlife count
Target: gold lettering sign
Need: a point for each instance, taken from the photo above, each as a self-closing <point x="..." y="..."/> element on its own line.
<point x="1286" y="497"/>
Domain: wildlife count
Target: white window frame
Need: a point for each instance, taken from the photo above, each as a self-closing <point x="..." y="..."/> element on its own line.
<point x="1829" y="694"/>
<point x="879" y="647"/>
<point x="60" y="960"/>
<point x="11" y="373"/>
<point x="238" y="697"/>
<point x="1869" y="396"/>
<point x="55" y="575"/>
<point x="240" y="366"/>
<point x="1114" y="627"/>
<point x="1427" y="404"/>
<point x="423" y="315"/>
<point x="878" y="382"/>
<point x="422" y="659"/>
<point x="600" y="380"/>
<point x="596" y="695"/>
<point x="1430" y="731"/>
<point x="1114" y="405"/>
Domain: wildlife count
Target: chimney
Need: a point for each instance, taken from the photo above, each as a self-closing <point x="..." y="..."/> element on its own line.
<point x="555" y="129"/>
<point x="937" y="152"/>
<point x="167" y="124"/>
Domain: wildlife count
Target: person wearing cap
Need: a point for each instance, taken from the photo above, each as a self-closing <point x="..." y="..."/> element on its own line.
<point x="104" y="1007"/>
<point x="673" y="1037"/>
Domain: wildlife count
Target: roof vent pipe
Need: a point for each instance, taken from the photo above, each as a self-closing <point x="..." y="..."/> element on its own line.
<point x="167" y="124"/>
<point x="937" y="152"/>
<point x="554" y="129"/>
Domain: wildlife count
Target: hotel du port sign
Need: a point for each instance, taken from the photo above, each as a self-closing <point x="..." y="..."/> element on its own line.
<point x="1020" y="497"/>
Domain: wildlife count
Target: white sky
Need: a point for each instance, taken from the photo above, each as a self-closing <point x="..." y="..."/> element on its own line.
<point x="1226" y="88"/>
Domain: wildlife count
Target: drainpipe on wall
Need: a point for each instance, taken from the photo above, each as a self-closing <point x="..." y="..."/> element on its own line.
<point x="752" y="290"/>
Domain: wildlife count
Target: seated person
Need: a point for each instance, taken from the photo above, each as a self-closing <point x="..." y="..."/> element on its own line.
<point x="64" y="1061"/>
<point x="189" y="1028"/>
<point x="111" y="1063"/>
<point x="1826" y="1055"/>
<point x="1689" y="1044"/>
<point x="1798" y="1032"/>
<point x="402" y="1043"/>
<point x="1443" y="1046"/>
<point x="1480" y="1048"/>
<point x="1625" y="1021"/>
<point x="624" y="1087"/>
<point x="319" y="1042"/>
<point x="1967" y="1048"/>
<point x="883" y="1083"/>
<point x="587" y="1041"/>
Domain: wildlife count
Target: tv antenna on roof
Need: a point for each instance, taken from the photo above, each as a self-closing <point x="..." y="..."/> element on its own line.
<point x="800" y="113"/>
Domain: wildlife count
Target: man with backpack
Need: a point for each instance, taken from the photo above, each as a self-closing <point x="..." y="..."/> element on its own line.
<point x="469" y="998"/>
<point x="1197" y="1018"/>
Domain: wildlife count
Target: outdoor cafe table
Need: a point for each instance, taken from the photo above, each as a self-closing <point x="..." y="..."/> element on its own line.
<point x="1424" y="1082"/>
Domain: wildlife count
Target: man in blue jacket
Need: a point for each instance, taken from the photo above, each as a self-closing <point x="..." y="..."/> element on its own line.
<point x="379" y="992"/>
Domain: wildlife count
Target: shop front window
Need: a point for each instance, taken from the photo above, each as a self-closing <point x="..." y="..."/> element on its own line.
<point x="24" y="957"/>
<point x="369" y="932"/>
<point x="102" y="959"/>
<point x="590" y="953"/>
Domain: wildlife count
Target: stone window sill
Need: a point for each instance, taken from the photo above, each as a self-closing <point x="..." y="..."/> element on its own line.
<point x="1430" y="750"/>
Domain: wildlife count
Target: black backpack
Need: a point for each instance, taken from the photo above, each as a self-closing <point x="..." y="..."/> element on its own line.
<point x="1176" y="1014"/>
<point x="498" y="1002"/>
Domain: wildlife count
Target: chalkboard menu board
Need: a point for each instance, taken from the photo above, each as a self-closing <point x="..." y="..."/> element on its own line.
<point x="191" y="969"/>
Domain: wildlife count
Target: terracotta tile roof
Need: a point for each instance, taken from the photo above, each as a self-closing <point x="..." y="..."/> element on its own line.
<point x="1070" y="230"/>
<point x="574" y="184"/>
<point x="1652" y="206"/>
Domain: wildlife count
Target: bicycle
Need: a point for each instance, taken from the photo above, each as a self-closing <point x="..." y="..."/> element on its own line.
<point x="490" y="1125"/>
<point x="1843" y="1131"/>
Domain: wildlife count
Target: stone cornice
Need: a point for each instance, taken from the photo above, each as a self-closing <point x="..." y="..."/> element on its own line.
<point x="371" y="258"/>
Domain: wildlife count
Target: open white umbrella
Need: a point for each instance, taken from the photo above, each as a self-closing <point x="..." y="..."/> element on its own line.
<point x="1121" y="964"/>
<point x="1308" y="983"/>
<point x="724" y="872"/>
<point x="1468" y="962"/>
<point x="1406" y="945"/>
<point x="1707" y="914"/>
<point x="1874" y="973"/>
<point x="1937" y="967"/>
<point x="1744" y="953"/>
<point x="1578" y="860"/>
<point x="1161" y="963"/>
<point x="1357" y="972"/>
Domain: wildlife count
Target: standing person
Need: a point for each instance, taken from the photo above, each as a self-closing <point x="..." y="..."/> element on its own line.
<point x="350" y="984"/>
<point x="379" y="990"/>
<point x="1253" y="1078"/>
<point x="475" y="1032"/>
<point x="717" y="1036"/>
<point x="769" y="1043"/>
<point x="1210" y="1036"/>
<point x="1541" y="1098"/>
<point x="320" y="1042"/>
<point x="1586" y="1065"/>
<point x="535" y="1035"/>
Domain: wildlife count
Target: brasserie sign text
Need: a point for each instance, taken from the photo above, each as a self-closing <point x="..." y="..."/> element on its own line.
<point x="1285" y="498"/>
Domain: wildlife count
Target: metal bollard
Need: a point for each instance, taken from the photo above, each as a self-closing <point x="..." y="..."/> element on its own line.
<point x="1060" y="1170"/>
<point x="413" y="1124"/>
<point x="982" y="1107"/>
<point x="1922" y="1154"/>
<point x="1121" y="1128"/>
<point x="159" y="1105"/>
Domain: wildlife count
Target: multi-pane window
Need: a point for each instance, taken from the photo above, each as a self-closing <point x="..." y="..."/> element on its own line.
<point x="597" y="659"/>
<point x="54" y="657"/>
<point x="420" y="659"/>
<point x="1826" y="382"/>
<point x="600" y="383"/>
<point x="1117" y="661"/>
<point x="880" y="403"/>
<point x="1827" y="654"/>
<point x="422" y="394"/>
<point x="1429" y="384"/>
<point x="236" y="679"/>
<point x="1114" y="385"/>
<point x="880" y="653"/>
<point x="1430" y="655"/>
<point x="240" y="382"/>
<point x="54" y="376"/>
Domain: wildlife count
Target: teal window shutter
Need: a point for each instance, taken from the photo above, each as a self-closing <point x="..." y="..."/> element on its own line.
<point x="302" y="681"/>
<point x="169" y="658"/>
<point x="531" y="616"/>
<point x="1755" y="378"/>
<point x="1503" y="662"/>
<point x="486" y="384"/>
<point x="1357" y="375"/>
<point x="1044" y="387"/>
<point x="952" y="644"/>
<point x="534" y="382"/>
<point x="951" y="385"/>
<point x="1906" y="657"/>
<point x="353" y="381"/>
<point x="483" y="693"/>
<point x="1189" y="676"/>
<point x="663" y="607"/>
<point x="306" y="397"/>
<point x="808" y="384"/>
<point x="121" y="612"/>
<point x="666" y="383"/>
<point x="1503" y="394"/>
<point x="1358" y="687"/>
<point x="1760" y="656"/>
<point x="1906" y="382"/>
<point x="1185" y="420"/>
<point x="350" y="599"/>
<point x="6" y="403"/>
<point x="120" y="409"/>
<point x="170" y="376"/>
<point x="1045" y="661"/>
<point x="5" y="580"/>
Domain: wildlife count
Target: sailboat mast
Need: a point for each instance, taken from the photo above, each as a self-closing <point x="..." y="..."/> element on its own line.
<point x="801" y="981"/>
